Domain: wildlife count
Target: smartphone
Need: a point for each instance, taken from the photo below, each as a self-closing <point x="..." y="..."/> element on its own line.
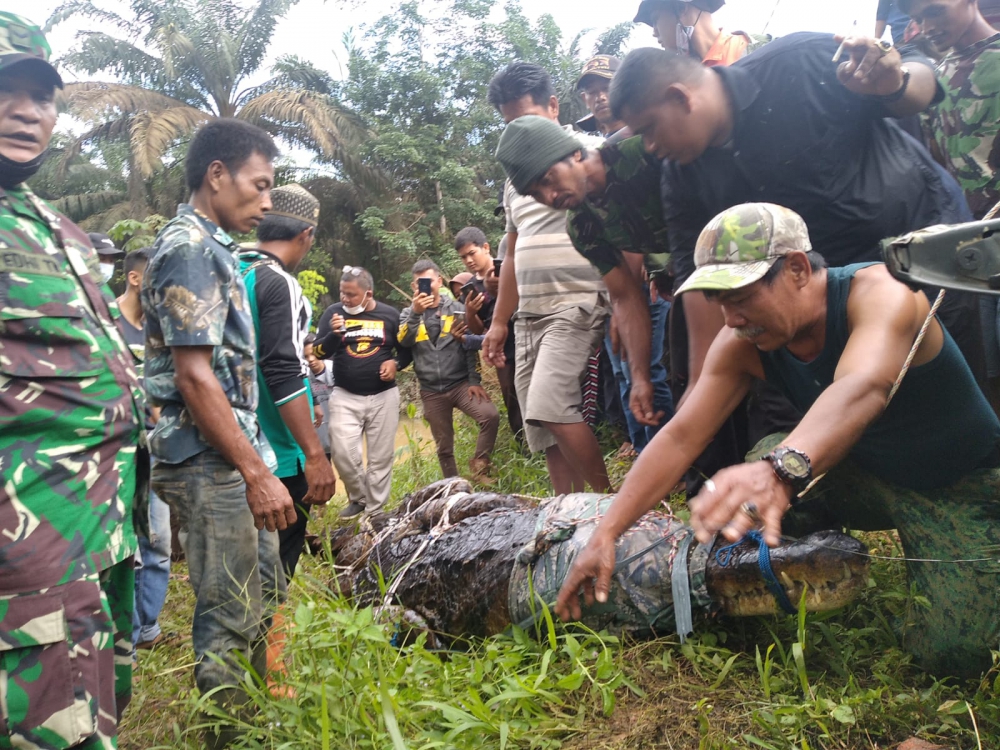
<point x="459" y="316"/>
<point x="424" y="285"/>
<point x="467" y="289"/>
<point x="496" y="266"/>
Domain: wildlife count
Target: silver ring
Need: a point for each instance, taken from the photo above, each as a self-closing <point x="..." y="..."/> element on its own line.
<point x="751" y="510"/>
<point x="709" y="485"/>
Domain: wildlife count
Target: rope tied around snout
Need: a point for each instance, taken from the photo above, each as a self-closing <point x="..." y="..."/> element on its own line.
<point x="724" y="555"/>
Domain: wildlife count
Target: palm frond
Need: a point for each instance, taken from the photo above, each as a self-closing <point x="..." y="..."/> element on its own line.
<point x="100" y="52"/>
<point x="110" y="130"/>
<point x="153" y="132"/>
<point x="87" y="9"/>
<point x="612" y="41"/>
<point x="322" y="121"/>
<point x="95" y="101"/>
<point x="258" y="32"/>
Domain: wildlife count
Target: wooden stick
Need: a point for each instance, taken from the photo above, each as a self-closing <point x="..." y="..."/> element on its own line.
<point x="408" y="297"/>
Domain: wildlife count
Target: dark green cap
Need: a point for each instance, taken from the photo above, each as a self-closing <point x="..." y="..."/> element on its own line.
<point x="530" y="145"/>
<point x="22" y="43"/>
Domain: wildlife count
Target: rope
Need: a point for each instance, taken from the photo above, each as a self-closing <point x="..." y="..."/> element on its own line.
<point x="905" y="559"/>
<point x="725" y="554"/>
<point x="916" y="345"/>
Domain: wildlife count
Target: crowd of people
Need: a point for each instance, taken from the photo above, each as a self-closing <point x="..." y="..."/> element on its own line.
<point x="724" y="201"/>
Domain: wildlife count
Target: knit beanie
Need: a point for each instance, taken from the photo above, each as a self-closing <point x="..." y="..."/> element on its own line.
<point x="530" y="145"/>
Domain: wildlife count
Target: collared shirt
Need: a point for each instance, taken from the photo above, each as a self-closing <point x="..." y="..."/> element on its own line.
<point x="70" y="405"/>
<point x="281" y="319"/>
<point x="726" y="49"/>
<point x="965" y="126"/>
<point x="802" y="140"/>
<point x="551" y="274"/>
<point x="628" y="216"/>
<point x="193" y="295"/>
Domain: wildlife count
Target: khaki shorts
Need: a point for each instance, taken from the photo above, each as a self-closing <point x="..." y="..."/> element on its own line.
<point x="551" y="356"/>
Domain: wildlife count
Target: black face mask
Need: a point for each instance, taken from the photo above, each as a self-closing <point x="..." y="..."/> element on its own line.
<point x="13" y="173"/>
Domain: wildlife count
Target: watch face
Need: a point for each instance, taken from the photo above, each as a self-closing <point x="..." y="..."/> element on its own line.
<point x="795" y="465"/>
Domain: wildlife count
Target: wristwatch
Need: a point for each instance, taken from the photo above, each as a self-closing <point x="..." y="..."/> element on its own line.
<point x="792" y="467"/>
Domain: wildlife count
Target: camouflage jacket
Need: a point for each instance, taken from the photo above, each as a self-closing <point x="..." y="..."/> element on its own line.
<point x="628" y="217"/>
<point x="193" y="295"/>
<point x="963" y="129"/>
<point x="70" y="406"/>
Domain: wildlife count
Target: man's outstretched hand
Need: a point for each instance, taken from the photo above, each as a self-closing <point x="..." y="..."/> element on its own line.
<point x="589" y="575"/>
<point x="719" y="505"/>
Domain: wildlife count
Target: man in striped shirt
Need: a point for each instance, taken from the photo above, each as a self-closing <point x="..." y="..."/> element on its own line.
<point x="560" y="301"/>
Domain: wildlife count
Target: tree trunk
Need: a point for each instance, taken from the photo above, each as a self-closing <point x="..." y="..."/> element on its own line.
<point x="440" y="200"/>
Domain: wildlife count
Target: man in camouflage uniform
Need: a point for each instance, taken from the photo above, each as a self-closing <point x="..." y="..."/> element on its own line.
<point x="922" y="459"/>
<point x="70" y="437"/>
<point x="964" y="127"/>
<point x="210" y="460"/>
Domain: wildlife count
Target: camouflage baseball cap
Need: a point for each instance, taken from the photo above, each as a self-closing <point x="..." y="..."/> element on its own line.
<point x="294" y="202"/>
<point x="22" y="43"/>
<point x="741" y="244"/>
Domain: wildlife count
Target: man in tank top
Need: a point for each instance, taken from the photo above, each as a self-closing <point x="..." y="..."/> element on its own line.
<point x="834" y="340"/>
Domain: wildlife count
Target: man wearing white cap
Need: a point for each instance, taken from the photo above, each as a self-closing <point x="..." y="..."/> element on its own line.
<point x="922" y="459"/>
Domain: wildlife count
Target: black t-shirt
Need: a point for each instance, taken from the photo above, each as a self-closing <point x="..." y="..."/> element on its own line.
<point x="803" y="141"/>
<point x="135" y="337"/>
<point x="370" y="340"/>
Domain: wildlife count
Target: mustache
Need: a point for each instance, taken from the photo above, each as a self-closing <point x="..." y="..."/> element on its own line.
<point x="748" y="332"/>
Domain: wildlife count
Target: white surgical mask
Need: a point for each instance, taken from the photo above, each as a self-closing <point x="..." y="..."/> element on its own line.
<point x="107" y="271"/>
<point x="357" y="309"/>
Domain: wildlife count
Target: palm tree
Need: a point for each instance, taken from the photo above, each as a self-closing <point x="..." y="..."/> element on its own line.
<point x="179" y="63"/>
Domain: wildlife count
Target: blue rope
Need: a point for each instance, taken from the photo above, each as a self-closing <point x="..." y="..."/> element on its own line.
<point x="724" y="555"/>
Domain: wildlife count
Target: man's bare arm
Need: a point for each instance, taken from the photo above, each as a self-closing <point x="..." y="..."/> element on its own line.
<point x="884" y="317"/>
<point x="703" y="321"/>
<point x="208" y="406"/>
<point x="506" y="306"/>
<point x="319" y="474"/>
<point x="631" y="319"/>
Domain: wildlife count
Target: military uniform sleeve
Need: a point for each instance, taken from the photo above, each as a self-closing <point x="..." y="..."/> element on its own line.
<point x="586" y="230"/>
<point x="191" y="294"/>
<point x="280" y="339"/>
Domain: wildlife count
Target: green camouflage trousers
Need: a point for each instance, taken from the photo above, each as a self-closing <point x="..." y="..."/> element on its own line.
<point x="959" y="522"/>
<point x="66" y="662"/>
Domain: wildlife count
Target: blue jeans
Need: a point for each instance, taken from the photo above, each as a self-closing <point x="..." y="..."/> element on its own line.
<point x="234" y="568"/>
<point x="152" y="573"/>
<point x="663" y="399"/>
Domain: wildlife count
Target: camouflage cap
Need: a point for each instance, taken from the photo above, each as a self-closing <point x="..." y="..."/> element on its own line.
<point x="294" y="202"/>
<point x="23" y="43"/>
<point x="741" y="244"/>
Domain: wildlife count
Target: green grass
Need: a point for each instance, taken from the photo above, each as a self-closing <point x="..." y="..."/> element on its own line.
<point x="832" y="680"/>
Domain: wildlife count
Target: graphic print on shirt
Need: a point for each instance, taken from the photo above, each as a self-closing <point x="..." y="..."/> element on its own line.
<point x="364" y="337"/>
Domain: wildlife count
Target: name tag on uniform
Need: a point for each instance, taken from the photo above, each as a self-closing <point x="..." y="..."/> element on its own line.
<point x="19" y="261"/>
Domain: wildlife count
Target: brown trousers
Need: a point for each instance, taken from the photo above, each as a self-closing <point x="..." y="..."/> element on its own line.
<point x="438" y="409"/>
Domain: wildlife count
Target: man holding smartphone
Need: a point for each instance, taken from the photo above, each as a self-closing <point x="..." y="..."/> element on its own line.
<point x="447" y="373"/>
<point x="474" y="250"/>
